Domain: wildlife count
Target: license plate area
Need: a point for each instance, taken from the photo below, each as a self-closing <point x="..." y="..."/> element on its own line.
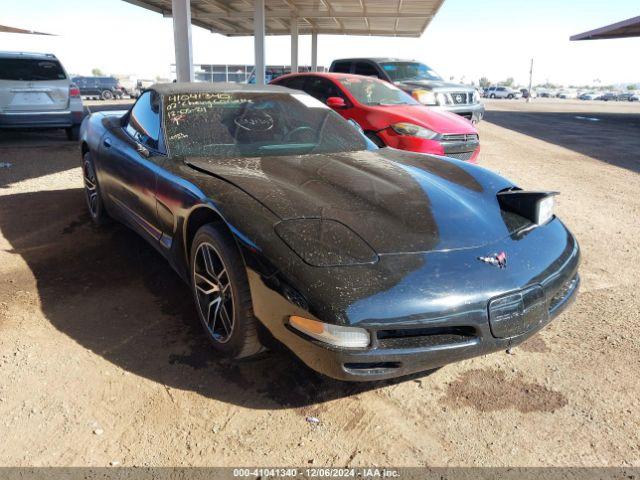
<point x="30" y="98"/>
<point x="517" y="313"/>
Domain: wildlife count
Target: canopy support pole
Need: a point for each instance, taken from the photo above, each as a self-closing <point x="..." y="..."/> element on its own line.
<point x="182" y="39"/>
<point x="294" y="45"/>
<point x="258" y="39"/>
<point x="314" y="51"/>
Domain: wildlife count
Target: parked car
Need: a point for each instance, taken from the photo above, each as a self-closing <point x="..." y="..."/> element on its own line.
<point x="627" y="97"/>
<point x="607" y="97"/>
<point x="36" y="92"/>
<point x="418" y="80"/>
<point x="567" y="94"/>
<point x="106" y="88"/>
<point x="526" y="93"/>
<point x="129" y="87"/>
<point x="588" y="96"/>
<point x="290" y="226"/>
<point x="389" y="116"/>
<point x="503" y="92"/>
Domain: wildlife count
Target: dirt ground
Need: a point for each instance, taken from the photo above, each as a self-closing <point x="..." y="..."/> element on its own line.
<point x="102" y="361"/>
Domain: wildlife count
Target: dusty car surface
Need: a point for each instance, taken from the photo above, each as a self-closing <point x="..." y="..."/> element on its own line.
<point x="290" y="225"/>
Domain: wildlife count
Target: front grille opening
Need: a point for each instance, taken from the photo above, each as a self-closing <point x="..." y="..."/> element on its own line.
<point x="371" y="367"/>
<point x="425" y="336"/>
<point x="461" y="98"/>
<point x="460" y="137"/>
<point x="563" y="293"/>
<point x="461" y="156"/>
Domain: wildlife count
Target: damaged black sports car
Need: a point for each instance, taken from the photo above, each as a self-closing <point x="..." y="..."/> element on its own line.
<point x="288" y="224"/>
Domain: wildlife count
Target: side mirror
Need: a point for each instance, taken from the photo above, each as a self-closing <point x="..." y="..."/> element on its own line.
<point x="142" y="150"/>
<point x="336" y="102"/>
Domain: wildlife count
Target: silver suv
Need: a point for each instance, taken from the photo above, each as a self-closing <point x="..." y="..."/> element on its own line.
<point x="502" y="92"/>
<point x="36" y="92"/>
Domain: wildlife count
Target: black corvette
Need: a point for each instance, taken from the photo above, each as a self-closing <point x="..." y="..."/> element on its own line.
<point x="287" y="223"/>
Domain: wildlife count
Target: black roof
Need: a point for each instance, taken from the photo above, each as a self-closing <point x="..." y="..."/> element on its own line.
<point x="30" y="55"/>
<point x="373" y="59"/>
<point x="196" y="87"/>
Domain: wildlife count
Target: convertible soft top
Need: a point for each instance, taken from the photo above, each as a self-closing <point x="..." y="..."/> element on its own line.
<point x="192" y="87"/>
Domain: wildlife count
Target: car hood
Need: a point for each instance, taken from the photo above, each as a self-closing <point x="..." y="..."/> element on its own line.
<point x="398" y="202"/>
<point x="437" y="120"/>
<point x="435" y="85"/>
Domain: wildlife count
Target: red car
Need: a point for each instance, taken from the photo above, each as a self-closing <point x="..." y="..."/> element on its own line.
<point x="389" y="116"/>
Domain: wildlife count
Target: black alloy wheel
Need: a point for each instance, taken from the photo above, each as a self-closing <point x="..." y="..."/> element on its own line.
<point x="221" y="292"/>
<point x="92" y="191"/>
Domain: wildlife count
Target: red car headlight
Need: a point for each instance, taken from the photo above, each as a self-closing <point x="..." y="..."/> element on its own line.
<point x="414" y="130"/>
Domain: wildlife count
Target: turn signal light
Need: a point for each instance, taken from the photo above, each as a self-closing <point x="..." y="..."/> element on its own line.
<point x="337" y="335"/>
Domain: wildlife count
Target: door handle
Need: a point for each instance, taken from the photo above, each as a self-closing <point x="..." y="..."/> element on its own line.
<point x="106" y="142"/>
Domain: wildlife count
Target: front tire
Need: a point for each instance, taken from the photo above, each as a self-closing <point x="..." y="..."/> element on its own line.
<point x="106" y="95"/>
<point x="92" y="191"/>
<point x="221" y="292"/>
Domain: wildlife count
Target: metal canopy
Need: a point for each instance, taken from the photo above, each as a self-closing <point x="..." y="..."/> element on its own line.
<point x="6" y="29"/>
<point x="624" y="29"/>
<point x="399" y="18"/>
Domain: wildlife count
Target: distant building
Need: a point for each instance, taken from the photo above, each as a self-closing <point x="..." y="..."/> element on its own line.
<point x="240" y="73"/>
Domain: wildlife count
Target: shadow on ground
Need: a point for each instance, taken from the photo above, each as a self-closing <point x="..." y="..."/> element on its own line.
<point x="608" y="137"/>
<point x="33" y="153"/>
<point x="110" y="291"/>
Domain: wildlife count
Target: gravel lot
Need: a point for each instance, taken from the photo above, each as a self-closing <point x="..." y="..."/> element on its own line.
<point x="102" y="360"/>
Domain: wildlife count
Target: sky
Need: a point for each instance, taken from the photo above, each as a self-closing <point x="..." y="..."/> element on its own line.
<point x="467" y="39"/>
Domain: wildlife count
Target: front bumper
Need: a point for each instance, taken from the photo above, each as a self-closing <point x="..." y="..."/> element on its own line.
<point x="433" y="347"/>
<point x="473" y="112"/>
<point x="413" y="332"/>
<point x="461" y="150"/>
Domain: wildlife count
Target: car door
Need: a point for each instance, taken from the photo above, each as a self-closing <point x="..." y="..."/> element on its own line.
<point x="133" y="153"/>
<point x="323" y="88"/>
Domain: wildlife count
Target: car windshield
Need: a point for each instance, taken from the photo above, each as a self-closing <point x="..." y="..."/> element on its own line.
<point x="401" y="71"/>
<point x="28" y="69"/>
<point x="250" y="124"/>
<point x="370" y="91"/>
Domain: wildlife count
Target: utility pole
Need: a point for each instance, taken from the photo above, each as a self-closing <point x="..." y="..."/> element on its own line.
<point x="530" y="81"/>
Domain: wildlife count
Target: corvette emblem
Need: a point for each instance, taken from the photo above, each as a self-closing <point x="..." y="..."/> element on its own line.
<point x="497" y="260"/>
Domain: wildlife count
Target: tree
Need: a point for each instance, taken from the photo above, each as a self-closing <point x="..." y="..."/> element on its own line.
<point x="631" y="87"/>
<point x="484" y="82"/>
<point x="508" y="82"/>
<point x="96" y="72"/>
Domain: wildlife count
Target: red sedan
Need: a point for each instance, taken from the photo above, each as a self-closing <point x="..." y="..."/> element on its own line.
<point x="389" y="116"/>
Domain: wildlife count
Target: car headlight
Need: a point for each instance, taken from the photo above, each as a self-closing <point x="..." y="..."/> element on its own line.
<point x="476" y="96"/>
<point x="545" y="210"/>
<point x="425" y="97"/>
<point x="413" y="130"/>
<point x="534" y="206"/>
<point x="322" y="242"/>
<point x="337" y="335"/>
